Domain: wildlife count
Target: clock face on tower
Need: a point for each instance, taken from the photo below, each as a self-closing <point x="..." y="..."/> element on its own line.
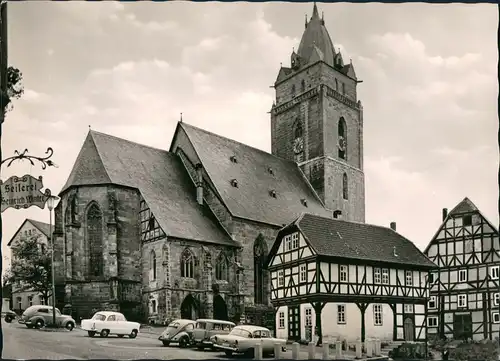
<point x="298" y="145"/>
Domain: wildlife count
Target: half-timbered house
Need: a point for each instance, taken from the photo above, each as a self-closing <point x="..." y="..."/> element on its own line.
<point x="347" y="280"/>
<point x="464" y="293"/>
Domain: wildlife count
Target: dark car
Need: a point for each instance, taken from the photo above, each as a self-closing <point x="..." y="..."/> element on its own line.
<point x="410" y="351"/>
<point x="9" y="315"/>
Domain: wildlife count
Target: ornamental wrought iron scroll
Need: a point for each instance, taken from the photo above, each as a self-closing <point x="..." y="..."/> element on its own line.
<point x="45" y="161"/>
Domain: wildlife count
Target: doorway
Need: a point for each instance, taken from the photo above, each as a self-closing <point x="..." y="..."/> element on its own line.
<point x="189" y="308"/>
<point x="409" y="330"/>
<point x="220" y="309"/>
<point x="462" y="326"/>
<point x="294" y="322"/>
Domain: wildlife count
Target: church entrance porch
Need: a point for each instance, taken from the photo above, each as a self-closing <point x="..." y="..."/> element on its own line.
<point x="189" y="308"/>
<point x="220" y="309"/>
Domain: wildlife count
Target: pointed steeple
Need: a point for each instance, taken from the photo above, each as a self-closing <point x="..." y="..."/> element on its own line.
<point x="306" y="21"/>
<point x="315" y="13"/>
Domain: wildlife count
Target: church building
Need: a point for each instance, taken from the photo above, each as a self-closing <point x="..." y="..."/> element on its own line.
<point x="185" y="232"/>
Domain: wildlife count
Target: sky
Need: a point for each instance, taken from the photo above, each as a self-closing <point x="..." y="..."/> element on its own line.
<point x="429" y="90"/>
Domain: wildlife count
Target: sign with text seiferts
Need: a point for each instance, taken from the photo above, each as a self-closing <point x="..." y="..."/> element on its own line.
<point x="23" y="192"/>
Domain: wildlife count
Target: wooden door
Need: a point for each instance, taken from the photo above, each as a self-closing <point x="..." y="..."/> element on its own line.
<point x="409" y="330"/>
<point x="294" y="322"/>
<point x="462" y="326"/>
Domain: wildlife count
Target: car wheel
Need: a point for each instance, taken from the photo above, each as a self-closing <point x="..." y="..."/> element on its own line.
<point x="8" y="319"/>
<point x="121" y="336"/>
<point x="166" y="343"/>
<point x="183" y="342"/>
<point x="70" y="326"/>
<point x="104" y="333"/>
<point x="133" y="334"/>
<point x="229" y="353"/>
<point x="39" y="324"/>
<point x="91" y="333"/>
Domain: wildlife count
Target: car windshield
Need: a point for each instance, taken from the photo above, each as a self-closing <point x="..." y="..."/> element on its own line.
<point x="201" y="325"/>
<point x="174" y="325"/>
<point x="240" y="332"/>
<point x="99" y="317"/>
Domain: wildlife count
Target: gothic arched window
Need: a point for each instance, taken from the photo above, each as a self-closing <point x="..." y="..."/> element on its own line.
<point x="298" y="130"/>
<point x="345" y="187"/>
<point x="342" y="136"/>
<point x="94" y="241"/>
<point x="187" y="264"/>
<point x="303" y="85"/>
<point x="293" y="90"/>
<point x="336" y="85"/>
<point x="221" y="268"/>
<point x="260" y="274"/>
<point x="152" y="265"/>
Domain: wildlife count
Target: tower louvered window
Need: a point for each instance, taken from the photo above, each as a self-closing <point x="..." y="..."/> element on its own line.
<point x="95" y="241"/>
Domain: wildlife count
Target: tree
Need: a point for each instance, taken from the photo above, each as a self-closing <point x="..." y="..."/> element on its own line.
<point x="31" y="267"/>
<point x="15" y="88"/>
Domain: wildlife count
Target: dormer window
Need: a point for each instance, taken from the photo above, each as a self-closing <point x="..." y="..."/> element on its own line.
<point x="272" y="193"/>
<point x="234" y="183"/>
<point x="304" y="202"/>
<point x="233" y="159"/>
<point x="270" y="170"/>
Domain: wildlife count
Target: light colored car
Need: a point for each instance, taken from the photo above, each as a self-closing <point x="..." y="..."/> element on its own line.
<point x="39" y="316"/>
<point x="178" y="331"/>
<point x="242" y="340"/>
<point x="107" y="323"/>
<point x="206" y="328"/>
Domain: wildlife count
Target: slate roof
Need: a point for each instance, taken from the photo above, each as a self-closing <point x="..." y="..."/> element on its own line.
<point x="158" y="175"/>
<point x="42" y="227"/>
<point x="465" y="206"/>
<point x="252" y="199"/>
<point x="366" y="242"/>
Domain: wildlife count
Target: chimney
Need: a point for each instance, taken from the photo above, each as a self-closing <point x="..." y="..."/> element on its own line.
<point x="337" y="214"/>
<point x="393" y="226"/>
<point x="445" y="213"/>
<point x="199" y="183"/>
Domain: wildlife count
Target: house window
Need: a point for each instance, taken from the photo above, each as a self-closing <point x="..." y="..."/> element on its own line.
<point x="495" y="317"/>
<point x="462" y="300"/>
<point x="288" y="242"/>
<point x="42" y="248"/>
<point x="95" y="241"/>
<point x="30" y="300"/>
<point x="295" y="240"/>
<point x="281" y="320"/>
<point x="408" y="308"/>
<point x="281" y="279"/>
<point x="309" y="317"/>
<point x="41" y="300"/>
<point x="462" y="275"/>
<point x="341" y="314"/>
<point x="345" y="187"/>
<point x="494" y="272"/>
<point x="432" y="321"/>
<point x="153" y="306"/>
<point x="221" y="268"/>
<point x="377" y="275"/>
<point x="377" y="315"/>
<point x="19" y="303"/>
<point x="432" y="278"/>
<point x="152" y="265"/>
<point x="260" y="276"/>
<point x="343" y="274"/>
<point x="303" y="273"/>
<point x="467" y="220"/>
<point x="432" y="302"/>
<point x="187" y="264"/>
<point x="496" y="300"/>
<point x="385" y="276"/>
<point x="409" y="278"/>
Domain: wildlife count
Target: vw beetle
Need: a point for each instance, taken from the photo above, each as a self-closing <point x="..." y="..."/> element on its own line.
<point x="178" y="331"/>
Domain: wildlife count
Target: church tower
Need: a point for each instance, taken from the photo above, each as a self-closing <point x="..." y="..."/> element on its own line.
<point x="317" y="121"/>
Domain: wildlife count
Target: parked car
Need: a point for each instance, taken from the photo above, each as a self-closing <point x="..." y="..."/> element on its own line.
<point x="206" y="328"/>
<point x="178" y="331"/>
<point x="39" y="316"/>
<point x="107" y="323"/>
<point x="9" y="315"/>
<point x="242" y="340"/>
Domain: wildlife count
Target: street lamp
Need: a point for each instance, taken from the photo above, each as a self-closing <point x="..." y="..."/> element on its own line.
<point x="51" y="204"/>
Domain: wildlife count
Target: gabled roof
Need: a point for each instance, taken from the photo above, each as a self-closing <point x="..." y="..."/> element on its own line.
<point x="41" y="226"/>
<point x="462" y="208"/>
<point x="366" y="242"/>
<point x="159" y="176"/>
<point x="252" y="199"/>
